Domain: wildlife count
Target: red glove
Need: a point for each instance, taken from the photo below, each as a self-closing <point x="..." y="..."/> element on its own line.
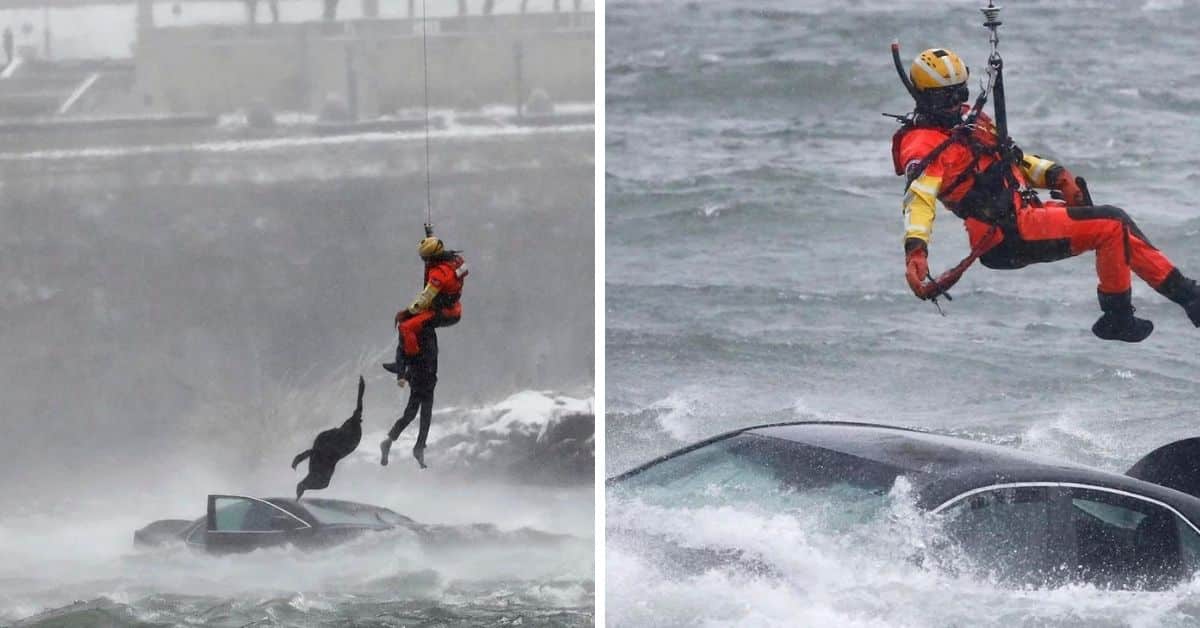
<point x="1067" y="190"/>
<point x="917" y="270"/>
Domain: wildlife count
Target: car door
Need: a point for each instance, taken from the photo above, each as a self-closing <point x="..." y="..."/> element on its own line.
<point x="236" y="523"/>
<point x="1127" y="540"/>
<point x="1009" y="534"/>
<point x="1051" y="533"/>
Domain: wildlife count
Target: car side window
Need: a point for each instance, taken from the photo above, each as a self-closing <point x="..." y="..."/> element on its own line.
<point x="231" y="514"/>
<point x="1006" y="534"/>
<point x="238" y="514"/>
<point x="1129" y="542"/>
<point x="1055" y="534"/>
<point x="1190" y="550"/>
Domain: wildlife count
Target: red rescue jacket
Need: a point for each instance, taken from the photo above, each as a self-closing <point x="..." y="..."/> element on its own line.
<point x="447" y="275"/>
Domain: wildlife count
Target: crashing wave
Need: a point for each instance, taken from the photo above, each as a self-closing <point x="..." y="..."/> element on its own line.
<point x="531" y="437"/>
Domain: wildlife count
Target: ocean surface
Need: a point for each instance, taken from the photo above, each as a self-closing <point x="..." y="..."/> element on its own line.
<point x="755" y="273"/>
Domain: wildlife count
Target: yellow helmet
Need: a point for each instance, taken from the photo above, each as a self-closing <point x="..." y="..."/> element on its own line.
<point x="937" y="68"/>
<point x="430" y="247"/>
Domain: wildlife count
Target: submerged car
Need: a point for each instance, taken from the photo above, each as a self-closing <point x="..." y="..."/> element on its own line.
<point x="1024" y="518"/>
<point x="237" y="523"/>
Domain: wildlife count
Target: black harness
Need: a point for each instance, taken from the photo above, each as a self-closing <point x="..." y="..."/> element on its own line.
<point x="990" y="196"/>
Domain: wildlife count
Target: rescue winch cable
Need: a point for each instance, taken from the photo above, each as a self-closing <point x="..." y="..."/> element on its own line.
<point x="991" y="21"/>
<point x="428" y="183"/>
<point x="425" y="74"/>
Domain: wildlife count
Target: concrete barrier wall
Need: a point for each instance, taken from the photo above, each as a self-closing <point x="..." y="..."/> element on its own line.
<point x="376" y="65"/>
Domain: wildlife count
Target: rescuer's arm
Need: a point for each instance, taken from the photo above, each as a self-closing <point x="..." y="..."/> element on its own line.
<point x="920" y="203"/>
<point x="1043" y="173"/>
<point x="436" y="281"/>
<point x="424" y="299"/>
<point x="1035" y="169"/>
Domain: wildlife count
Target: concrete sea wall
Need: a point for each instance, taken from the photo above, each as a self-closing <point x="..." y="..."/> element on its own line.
<point x="375" y="65"/>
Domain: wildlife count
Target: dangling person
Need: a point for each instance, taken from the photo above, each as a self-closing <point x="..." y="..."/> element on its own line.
<point x="965" y="170"/>
<point x="421" y="375"/>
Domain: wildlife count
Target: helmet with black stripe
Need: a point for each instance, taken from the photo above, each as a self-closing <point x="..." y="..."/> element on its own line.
<point x="430" y="247"/>
<point x="940" y="79"/>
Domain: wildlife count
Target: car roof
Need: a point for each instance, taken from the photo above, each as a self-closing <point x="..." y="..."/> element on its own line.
<point x="319" y="501"/>
<point x="908" y="449"/>
<point x="944" y="467"/>
<point x="296" y="506"/>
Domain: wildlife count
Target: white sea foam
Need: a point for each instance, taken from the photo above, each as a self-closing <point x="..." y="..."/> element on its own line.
<point x="817" y="566"/>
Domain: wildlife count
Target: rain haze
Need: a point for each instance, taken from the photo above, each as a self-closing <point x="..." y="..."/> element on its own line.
<point x="209" y="215"/>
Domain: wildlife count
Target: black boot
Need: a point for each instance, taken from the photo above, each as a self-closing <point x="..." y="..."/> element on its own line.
<point x="1183" y="291"/>
<point x="394" y="367"/>
<point x="1118" y="321"/>
<point x="399" y="367"/>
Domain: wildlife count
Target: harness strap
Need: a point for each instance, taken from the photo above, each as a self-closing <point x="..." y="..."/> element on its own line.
<point x="919" y="168"/>
<point x="977" y="150"/>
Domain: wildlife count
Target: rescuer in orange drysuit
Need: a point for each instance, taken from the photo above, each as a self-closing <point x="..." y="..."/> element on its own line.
<point x="438" y="303"/>
<point x="966" y="170"/>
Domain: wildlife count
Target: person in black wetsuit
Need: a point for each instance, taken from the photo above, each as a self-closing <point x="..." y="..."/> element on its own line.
<point x="420" y="374"/>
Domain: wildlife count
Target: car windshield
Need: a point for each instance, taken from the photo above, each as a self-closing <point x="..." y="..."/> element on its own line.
<point x="774" y="473"/>
<point x="330" y="512"/>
